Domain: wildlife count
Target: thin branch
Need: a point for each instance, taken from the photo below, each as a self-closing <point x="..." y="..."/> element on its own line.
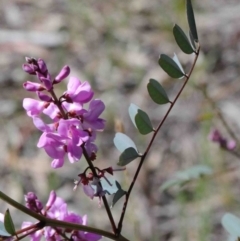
<point x="56" y="223"/>
<point x="105" y="202"/>
<point x="151" y="142"/>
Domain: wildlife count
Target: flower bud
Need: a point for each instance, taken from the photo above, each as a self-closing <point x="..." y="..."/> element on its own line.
<point x="51" y="199"/>
<point x="30" y="86"/>
<point x="29" y="69"/>
<point x="65" y="71"/>
<point x="42" y="66"/>
<point x="44" y="97"/>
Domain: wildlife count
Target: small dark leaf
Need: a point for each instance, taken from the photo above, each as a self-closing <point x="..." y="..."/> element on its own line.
<point x="8" y="223"/>
<point x="143" y="122"/>
<point x="182" y="40"/>
<point x="232" y="224"/>
<point x="127" y="156"/>
<point x="170" y="66"/>
<point x="118" y="195"/>
<point x="118" y="185"/>
<point x="156" y="92"/>
<point x="191" y="20"/>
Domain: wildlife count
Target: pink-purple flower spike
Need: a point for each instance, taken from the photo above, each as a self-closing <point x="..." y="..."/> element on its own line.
<point x="72" y="126"/>
<point x="57" y="209"/>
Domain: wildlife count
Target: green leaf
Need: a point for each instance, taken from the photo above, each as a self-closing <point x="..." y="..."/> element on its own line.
<point x="191" y="20"/>
<point x="8" y="223"/>
<point x="132" y="111"/>
<point x="192" y="40"/>
<point x="3" y="231"/>
<point x="118" y="195"/>
<point x="127" y="147"/>
<point x="170" y="66"/>
<point x="175" y="58"/>
<point x="182" y="40"/>
<point x="122" y="142"/>
<point x="156" y="92"/>
<point x="232" y="224"/>
<point x="143" y="123"/>
<point x="127" y="156"/>
<point x="140" y="119"/>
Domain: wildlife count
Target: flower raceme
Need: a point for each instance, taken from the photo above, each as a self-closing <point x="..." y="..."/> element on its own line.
<point x="72" y="126"/>
<point x="57" y="209"/>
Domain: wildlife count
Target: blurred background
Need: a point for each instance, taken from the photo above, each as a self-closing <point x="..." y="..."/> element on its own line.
<point x="115" y="45"/>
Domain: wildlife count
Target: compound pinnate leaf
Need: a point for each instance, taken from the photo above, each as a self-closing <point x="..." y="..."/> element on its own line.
<point x="170" y="66"/>
<point x="140" y="119"/>
<point x="191" y="20"/>
<point x="122" y="142"/>
<point x="232" y="224"/>
<point x="127" y="156"/>
<point x="8" y="223"/>
<point x="182" y="40"/>
<point x="156" y="92"/>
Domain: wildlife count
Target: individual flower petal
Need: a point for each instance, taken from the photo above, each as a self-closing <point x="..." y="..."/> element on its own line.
<point x="38" y="122"/>
<point x="90" y="118"/>
<point x="74" y="153"/>
<point x="33" y="107"/>
<point x="89" y="191"/>
<point x="57" y="163"/>
<point x="52" y="144"/>
<point x="51" y="199"/>
<point x="52" y="111"/>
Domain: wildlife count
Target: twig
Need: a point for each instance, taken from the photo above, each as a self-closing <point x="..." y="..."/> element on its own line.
<point x="151" y="142"/>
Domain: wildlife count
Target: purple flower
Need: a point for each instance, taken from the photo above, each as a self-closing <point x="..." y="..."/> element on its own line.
<point x="32" y="202"/>
<point x="217" y="137"/>
<point x="57" y="209"/>
<point x="78" y="92"/>
<point x="91" y="118"/>
<point x="71" y="127"/>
